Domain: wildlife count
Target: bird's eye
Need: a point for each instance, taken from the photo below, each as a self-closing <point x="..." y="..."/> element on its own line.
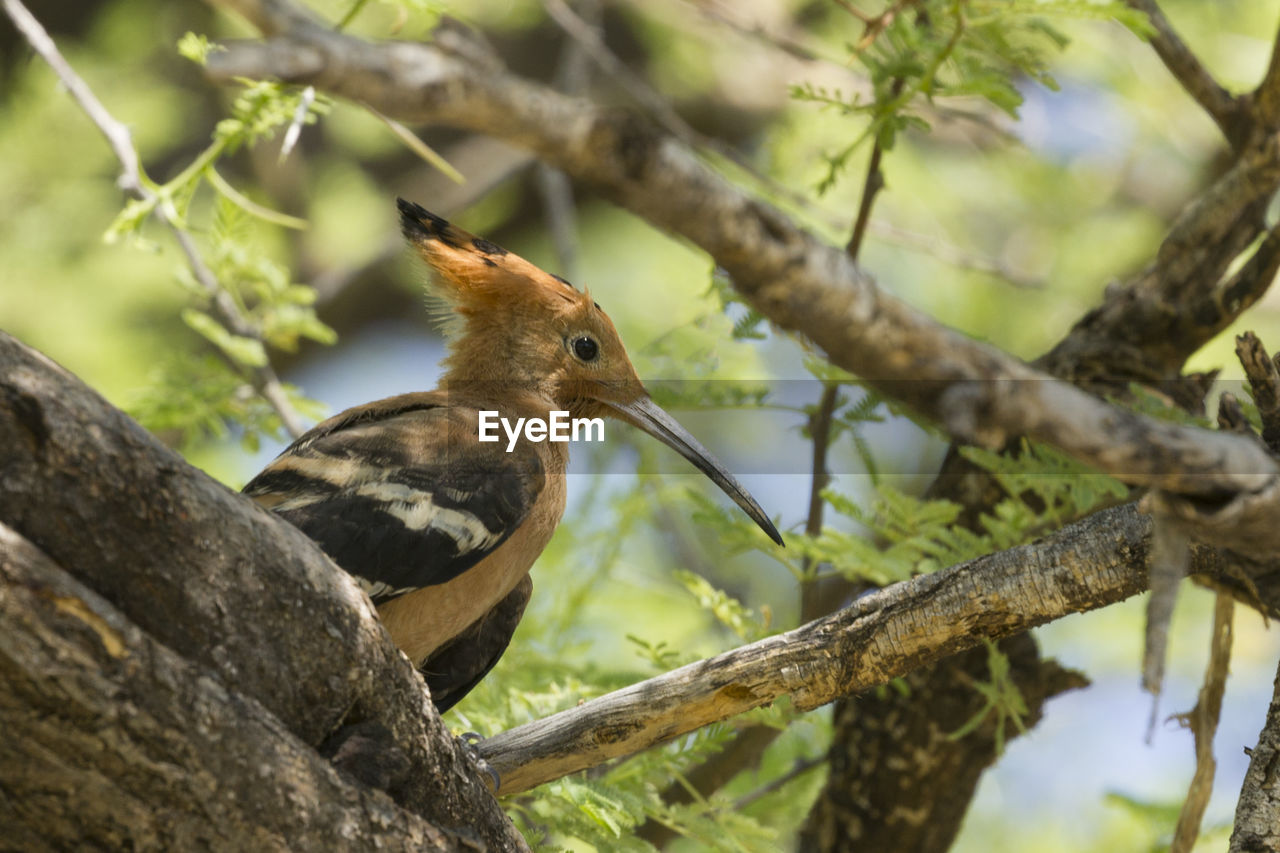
<point x="586" y="348"/>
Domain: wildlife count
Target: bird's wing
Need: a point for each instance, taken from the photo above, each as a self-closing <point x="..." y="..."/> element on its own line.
<point x="456" y="667"/>
<point x="400" y="493"/>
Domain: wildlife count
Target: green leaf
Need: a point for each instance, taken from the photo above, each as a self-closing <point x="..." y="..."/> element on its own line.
<point x="197" y="47"/>
<point x="242" y="350"/>
<point x="129" y="220"/>
<point x="249" y="206"/>
<point x="728" y="610"/>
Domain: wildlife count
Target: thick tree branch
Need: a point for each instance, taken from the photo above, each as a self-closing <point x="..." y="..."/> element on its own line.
<point x="220" y="581"/>
<point x="147" y="751"/>
<point x="1146" y="328"/>
<point x="1093" y="563"/>
<point x="978" y="393"/>
<point x="1257" y="821"/>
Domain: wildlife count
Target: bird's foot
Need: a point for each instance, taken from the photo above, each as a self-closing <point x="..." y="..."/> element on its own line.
<point x="468" y="741"/>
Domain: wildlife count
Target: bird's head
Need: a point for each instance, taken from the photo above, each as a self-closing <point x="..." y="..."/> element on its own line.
<point x="521" y="331"/>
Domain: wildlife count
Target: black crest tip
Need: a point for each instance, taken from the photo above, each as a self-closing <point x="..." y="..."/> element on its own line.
<point x="417" y="223"/>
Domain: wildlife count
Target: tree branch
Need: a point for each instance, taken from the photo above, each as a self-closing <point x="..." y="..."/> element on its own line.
<point x="220" y="581"/>
<point x="1266" y="97"/>
<point x="1090" y="564"/>
<point x="242" y="593"/>
<point x="183" y="765"/>
<point x="1224" y="109"/>
<point x="870" y="188"/>
<point x="1264" y="381"/>
<point x="750" y="742"/>
<point x="978" y="393"/>
<point x="1257" y="820"/>
<point x="811" y="601"/>
<point x="1147" y="328"/>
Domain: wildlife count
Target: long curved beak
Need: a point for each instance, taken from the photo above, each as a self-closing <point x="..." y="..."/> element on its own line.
<point x="647" y="415"/>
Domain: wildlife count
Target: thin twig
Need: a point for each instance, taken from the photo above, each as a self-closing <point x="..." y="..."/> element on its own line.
<point x="954" y="255"/>
<point x="657" y="106"/>
<point x="718" y="13"/>
<point x="855" y="11"/>
<point x="811" y="606"/>
<point x="801" y="767"/>
<point x="873" y="26"/>
<point x="116" y="133"/>
<point x="131" y="181"/>
<point x="1203" y="722"/>
<point x="554" y="185"/>
<point x="589" y="38"/>
<point x="751" y="742"/>
<point x="871" y="186"/>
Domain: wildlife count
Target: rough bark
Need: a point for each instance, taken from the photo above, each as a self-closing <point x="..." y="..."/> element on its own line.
<point x="904" y="745"/>
<point x="113" y="741"/>
<point x="174" y="537"/>
<point x="222" y="583"/>
<point x="1257" y="823"/>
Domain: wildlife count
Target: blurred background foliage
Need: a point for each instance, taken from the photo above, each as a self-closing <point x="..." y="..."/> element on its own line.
<point x="1006" y="218"/>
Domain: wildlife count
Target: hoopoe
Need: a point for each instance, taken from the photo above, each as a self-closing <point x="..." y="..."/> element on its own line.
<point x="438" y="527"/>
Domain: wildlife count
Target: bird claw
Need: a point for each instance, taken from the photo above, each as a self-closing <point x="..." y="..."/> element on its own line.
<point x="469" y="741"/>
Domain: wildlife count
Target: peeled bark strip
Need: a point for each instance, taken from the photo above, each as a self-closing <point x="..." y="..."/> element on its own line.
<point x="219" y="581"/>
<point x="113" y="741"/>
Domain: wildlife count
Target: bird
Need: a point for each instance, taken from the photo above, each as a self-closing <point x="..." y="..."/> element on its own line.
<point x="438" y="527"/>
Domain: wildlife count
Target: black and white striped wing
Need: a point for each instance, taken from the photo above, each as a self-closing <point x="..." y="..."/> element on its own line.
<point x="400" y="493"/>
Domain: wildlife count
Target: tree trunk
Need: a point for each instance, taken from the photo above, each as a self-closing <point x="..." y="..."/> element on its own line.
<point x="170" y="648"/>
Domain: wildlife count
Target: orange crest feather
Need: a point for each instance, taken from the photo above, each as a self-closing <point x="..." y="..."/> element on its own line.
<point x="473" y="276"/>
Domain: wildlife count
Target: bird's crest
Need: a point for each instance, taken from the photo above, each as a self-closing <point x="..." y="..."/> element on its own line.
<point x="472" y="276"/>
